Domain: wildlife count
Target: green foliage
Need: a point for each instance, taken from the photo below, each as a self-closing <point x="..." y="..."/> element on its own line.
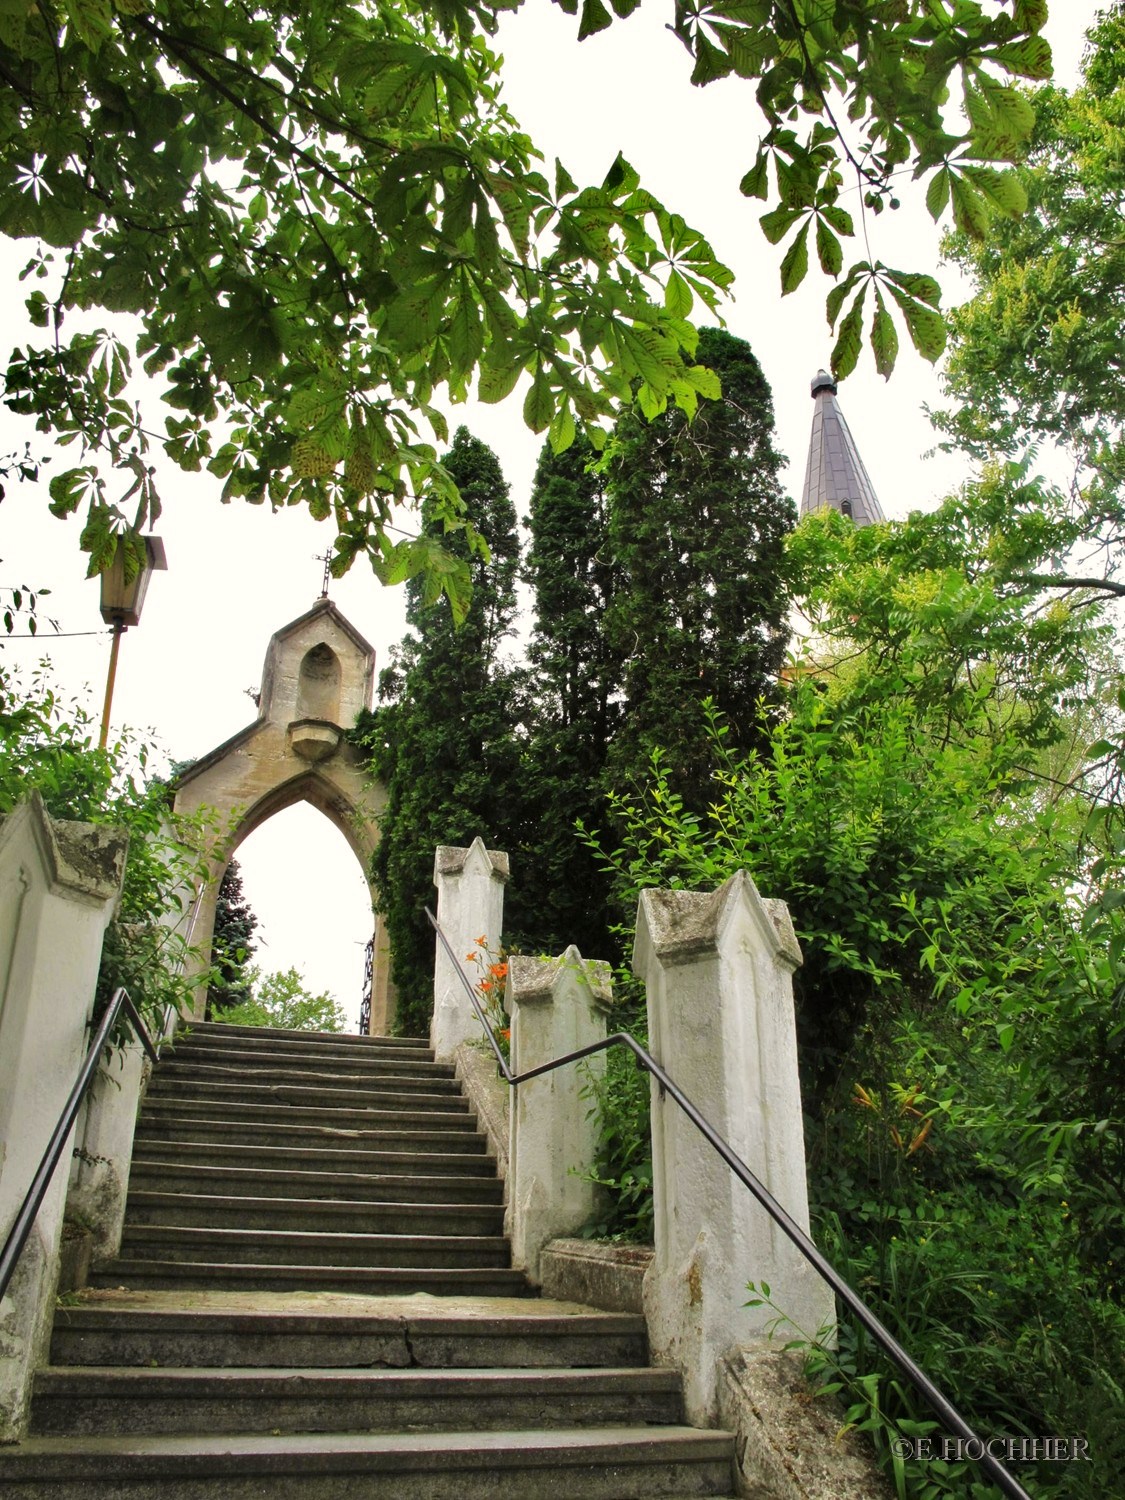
<point x="901" y="74"/>
<point x="905" y="764"/>
<point x="676" y="541"/>
<point x="950" y="846"/>
<point x="282" y="999"/>
<point x="576" y="675"/>
<point x="14" y="600"/>
<point x="321" y="217"/>
<point x="48" y="746"/>
<point x="1035" y="350"/>
<point x="443" y="740"/>
<point x="697" y="522"/>
<point x="622" y="1162"/>
<point x="232" y="945"/>
<point x="658" y="579"/>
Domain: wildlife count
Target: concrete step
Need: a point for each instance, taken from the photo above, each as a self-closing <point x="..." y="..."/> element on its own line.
<point x="203" y="1276"/>
<point x="380" y="1095"/>
<point x="209" y="1128"/>
<point x="114" y="1400"/>
<point x="323" y="1330"/>
<point x="253" y="1059"/>
<point x="288" y="1247"/>
<point x="234" y="1114"/>
<point x="321" y="1215"/>
<point x="610" y="1463"/>
<point x="343" y="1157"/>
<point x="203" y="1030"/>
<point x="275" y="1048"/>
<point x="309" y="1076"/>
<point x="162" y="1174"/>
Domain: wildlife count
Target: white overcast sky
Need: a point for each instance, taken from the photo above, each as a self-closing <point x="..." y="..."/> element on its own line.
<point x="237" y="573"/>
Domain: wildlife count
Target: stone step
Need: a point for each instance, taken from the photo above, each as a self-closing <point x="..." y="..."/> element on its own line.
<point x="383" y="1095"/>
<point x="257" y="1113"/>
<point x="324" y="1330"/>
<point x="342" y="1158"/>
<point x="211" y="1130"/>
<point x="186" y="1070"/>
<point x="203" y="1030"/>
<point x="290" y="1247"/>
<point x="203" y="1276"/>
<point x="610" y="1463"/>
<point x="323" y="1215"/>
<point x="266" y="1059"/>
<point x="160" y="1174"/>
<point x="107" y="1400"/>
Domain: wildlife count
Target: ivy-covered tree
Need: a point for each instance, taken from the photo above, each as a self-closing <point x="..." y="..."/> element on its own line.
<point x="444" y="739"/>
<point x="319" y="214"/>
<point x="232" y="945"/>
<point x="697" y="526"/>
<point x="576" y="676"/>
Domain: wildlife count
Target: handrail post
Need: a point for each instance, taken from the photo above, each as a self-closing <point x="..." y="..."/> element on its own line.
<point x="717" y="969"/>
<point x="470" y="908"/>
<point x="101" y="1180"/>
<point x="59" y="884"/>
<point x="555" y="1004"/>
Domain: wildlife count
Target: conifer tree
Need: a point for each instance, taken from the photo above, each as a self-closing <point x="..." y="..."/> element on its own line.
<point x="697" y="523"/>
<point x="232" y="945"/>
<point x="444" y="740"/>
<point x="577" y="681"/>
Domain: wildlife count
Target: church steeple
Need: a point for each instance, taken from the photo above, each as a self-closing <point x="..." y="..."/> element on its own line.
<point x="835" y="475"/>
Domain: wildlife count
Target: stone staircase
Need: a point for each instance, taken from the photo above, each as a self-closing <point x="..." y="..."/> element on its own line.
<point x="314" y="1298"/>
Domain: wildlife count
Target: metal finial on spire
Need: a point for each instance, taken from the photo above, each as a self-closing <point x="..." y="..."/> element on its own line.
<point x="835" y="476"/>
<point x="326" y="559"/>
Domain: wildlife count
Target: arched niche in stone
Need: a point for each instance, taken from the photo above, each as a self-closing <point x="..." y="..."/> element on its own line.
<point x="318" y="684"/>
<point x="318" y="675"/>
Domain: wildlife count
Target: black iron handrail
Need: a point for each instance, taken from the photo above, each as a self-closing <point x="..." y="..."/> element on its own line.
<point x="942" y="1407"/>
<point x="21" y="1228"/>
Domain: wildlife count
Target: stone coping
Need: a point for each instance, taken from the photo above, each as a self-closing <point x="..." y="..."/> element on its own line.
<point x="489" y="1097"/>
<point x="788" y="1444"/>
<point x="596" y="1273"/>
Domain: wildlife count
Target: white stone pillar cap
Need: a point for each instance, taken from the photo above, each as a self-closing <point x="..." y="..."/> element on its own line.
<point x="452" y="861"/>
<point x="535" y="981"/>
<point x="678" y="927"/>
<point x="82" y="861"/>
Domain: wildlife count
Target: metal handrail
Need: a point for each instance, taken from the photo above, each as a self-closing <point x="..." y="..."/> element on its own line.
<point x="25" y="1219"/>
<point x="939" y="1403"/>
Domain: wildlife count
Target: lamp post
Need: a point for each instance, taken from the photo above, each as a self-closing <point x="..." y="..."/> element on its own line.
<point x="121" y="604"/>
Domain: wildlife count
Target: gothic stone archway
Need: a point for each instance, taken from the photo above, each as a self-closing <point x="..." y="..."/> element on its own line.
<point x="318" y="675"/>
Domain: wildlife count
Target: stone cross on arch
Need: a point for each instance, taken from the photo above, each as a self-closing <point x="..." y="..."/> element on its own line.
<point x="318" y="675"/>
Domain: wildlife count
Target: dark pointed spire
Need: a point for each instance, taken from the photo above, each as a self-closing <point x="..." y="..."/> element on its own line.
<point x="835" y="475"/>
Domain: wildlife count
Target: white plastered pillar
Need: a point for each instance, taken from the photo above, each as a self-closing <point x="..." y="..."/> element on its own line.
<point x="470" y="905"/>
<point x="718" y="973"/>
<point x="59" y="884"/>
<point x="557" y="1005"/>
<point x="100" y="1182"/>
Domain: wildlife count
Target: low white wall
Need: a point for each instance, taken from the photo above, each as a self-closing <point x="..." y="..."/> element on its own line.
<point x="59" y="883"/>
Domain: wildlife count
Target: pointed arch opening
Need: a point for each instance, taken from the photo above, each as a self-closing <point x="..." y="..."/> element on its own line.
<point x="310" y="895"/>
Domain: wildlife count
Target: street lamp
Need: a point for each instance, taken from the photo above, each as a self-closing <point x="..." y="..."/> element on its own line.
<point x="121" y="605"/>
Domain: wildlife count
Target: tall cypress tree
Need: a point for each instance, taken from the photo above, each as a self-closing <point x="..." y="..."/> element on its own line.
<point x="444" y="740"/>
<point x="697" y="523"/>
<point x="232" y="945"/>
<point x="577" y="681"/>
